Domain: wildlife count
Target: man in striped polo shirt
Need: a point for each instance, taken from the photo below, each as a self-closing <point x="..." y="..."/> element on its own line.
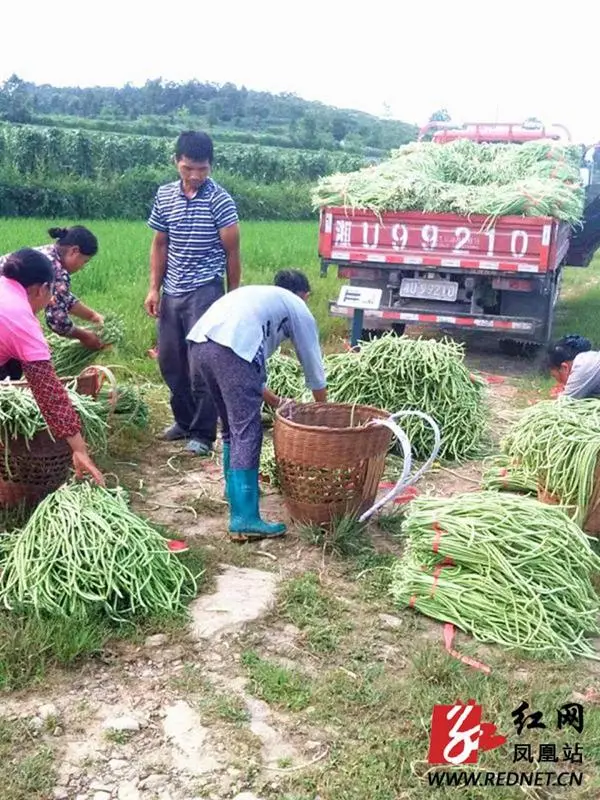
<point x="196" y="245"/>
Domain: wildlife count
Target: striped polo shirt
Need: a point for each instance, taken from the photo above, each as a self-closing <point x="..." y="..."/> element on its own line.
<point x="195" y="254"/>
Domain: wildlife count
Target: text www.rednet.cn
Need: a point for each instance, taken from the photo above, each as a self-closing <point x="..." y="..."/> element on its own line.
<point x="463" y="778"/>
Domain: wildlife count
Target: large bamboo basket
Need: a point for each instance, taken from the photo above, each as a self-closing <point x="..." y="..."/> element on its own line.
<point x="330" y="461"/>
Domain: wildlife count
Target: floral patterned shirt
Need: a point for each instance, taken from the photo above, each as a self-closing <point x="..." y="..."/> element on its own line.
<point x="63" y="299"/>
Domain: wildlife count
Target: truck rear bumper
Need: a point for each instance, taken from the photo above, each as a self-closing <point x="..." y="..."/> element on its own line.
<point x="526" y="327"/>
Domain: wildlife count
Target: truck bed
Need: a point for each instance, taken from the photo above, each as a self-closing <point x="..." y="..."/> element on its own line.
<point x="507" y="244"/>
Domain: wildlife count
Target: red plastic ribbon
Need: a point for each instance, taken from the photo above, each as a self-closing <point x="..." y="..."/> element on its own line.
<point x="439" y="532"/>
<point x="449" y="629"/>
<point x="405" y="497"/>
<point x="449" y="633"/>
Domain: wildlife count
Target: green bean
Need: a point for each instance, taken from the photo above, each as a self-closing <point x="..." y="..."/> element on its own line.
<point x="397" y="373"/>
<point x="557" y="443"/>
<point x="82" y="551"/>
<point x="70" y="356"/>
<point x="125" y="405"/>
<point x="463" y="177"/>
<point x="20" y="416"/>
<point x="520" y="576"/>
<point x="268" y="464"/>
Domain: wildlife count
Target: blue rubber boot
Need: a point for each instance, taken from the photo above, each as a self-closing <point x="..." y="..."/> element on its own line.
<point x="244" y="518"/>
<point x="226" y="462"/>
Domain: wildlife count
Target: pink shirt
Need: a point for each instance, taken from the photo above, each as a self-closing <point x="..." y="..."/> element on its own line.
<point x="21" y="335"/>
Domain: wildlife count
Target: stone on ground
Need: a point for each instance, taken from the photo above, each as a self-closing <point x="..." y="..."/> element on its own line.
<point x="242" y="595"/>
<point x="190" y="740"/>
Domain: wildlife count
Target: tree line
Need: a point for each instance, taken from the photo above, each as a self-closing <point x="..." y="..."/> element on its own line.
<point x="159" y="106"/>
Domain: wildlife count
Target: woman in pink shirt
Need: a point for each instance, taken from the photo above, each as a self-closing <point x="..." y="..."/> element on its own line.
<point x="26" y="287"/>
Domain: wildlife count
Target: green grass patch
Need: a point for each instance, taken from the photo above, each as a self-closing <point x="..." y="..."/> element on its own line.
<point x="346" y="537"/>
<point x="279" y="686"/>
<point x="28" y="771"/>
<point x="29" y="647"/>
<point x="321" y="618"/>
<point x="212" y="704"/>
<point x="378" y="721"/>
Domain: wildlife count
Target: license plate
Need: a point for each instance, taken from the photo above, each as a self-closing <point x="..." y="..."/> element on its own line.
<point x="429" y="290"/>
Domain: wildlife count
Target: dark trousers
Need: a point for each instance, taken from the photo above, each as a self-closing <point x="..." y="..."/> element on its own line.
<point x="236" y="387"/>
<point x="12" y="369"/>
<point x="191" y="403"/>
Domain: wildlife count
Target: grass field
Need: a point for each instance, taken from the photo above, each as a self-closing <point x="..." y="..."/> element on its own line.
<point x="117" y="278"/>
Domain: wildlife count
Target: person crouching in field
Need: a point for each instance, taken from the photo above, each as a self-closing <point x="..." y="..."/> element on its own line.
<point x="25" y="288"/>
<point x="230" y="345"/>
<point x="72" y="250"/>
<point x="196" y="244"/>
<point x="575" y="367"/>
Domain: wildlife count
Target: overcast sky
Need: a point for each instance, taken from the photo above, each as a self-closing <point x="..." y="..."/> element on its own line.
<point x="483" y="61"/>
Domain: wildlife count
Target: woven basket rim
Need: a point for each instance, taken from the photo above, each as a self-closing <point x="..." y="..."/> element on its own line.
<point x="378" y="413"/>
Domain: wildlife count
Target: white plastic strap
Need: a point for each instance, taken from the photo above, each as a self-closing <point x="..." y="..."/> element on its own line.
<point x="404" y="481"/>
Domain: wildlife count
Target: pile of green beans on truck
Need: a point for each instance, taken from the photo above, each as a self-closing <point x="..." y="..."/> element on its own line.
<point x="488" y="270"/>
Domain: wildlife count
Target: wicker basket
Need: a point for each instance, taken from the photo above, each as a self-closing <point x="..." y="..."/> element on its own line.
<point x="89" y="382"/>
<point x="33" y="469"/>
<point x="329" y="466"/>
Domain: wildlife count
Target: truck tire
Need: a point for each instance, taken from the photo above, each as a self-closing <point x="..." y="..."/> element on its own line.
<point x="519" y="348"/>
<point x="369" y="334"/>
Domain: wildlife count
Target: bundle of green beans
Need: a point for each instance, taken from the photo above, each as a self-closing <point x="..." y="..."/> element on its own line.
<point x="20" y="416"/>
<point x="268" y="464"/>
<point x="504" y="474"/>
<point x="395" y="373"/>
<point x="126" y="402"/>
<point x="558" y="443"/>
<point x="464" y="177"/>
<point x="520" y="571"/>
<point x="285" y="376"/>
<point x="70" y="357"/>
<point x="83" y="552"/>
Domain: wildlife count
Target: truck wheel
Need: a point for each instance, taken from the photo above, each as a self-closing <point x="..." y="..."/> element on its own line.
<point x="518" y="348"/>
<point x="369" y="334"/>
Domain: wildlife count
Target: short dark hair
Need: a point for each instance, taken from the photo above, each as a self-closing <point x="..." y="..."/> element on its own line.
<point x="292" y="279"/>
<point x="28" y="267"/>
<point x="195" y="145"/>
<point x="77" y="236"/>
<point x="566" y="349"/>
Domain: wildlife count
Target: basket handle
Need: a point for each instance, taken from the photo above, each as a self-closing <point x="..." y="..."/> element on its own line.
<point x="404" y="481"/>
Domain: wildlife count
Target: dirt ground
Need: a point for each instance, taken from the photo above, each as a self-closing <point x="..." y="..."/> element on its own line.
<point x="185" y="714"/>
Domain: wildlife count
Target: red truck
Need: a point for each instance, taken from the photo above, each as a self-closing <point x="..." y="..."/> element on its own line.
<point x="456" y="272"/>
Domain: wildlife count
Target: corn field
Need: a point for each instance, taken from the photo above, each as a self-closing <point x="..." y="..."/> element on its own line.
<point x="42" y="152"/>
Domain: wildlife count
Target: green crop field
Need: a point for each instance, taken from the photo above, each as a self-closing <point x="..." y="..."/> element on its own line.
<point x="117" y="278"/>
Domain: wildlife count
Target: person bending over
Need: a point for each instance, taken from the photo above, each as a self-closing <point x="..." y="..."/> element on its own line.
<point x="73" y="248"/>
<point x="230" y="346"/>
<point x="575" y="367"/>
<point x="25" y="288"/>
